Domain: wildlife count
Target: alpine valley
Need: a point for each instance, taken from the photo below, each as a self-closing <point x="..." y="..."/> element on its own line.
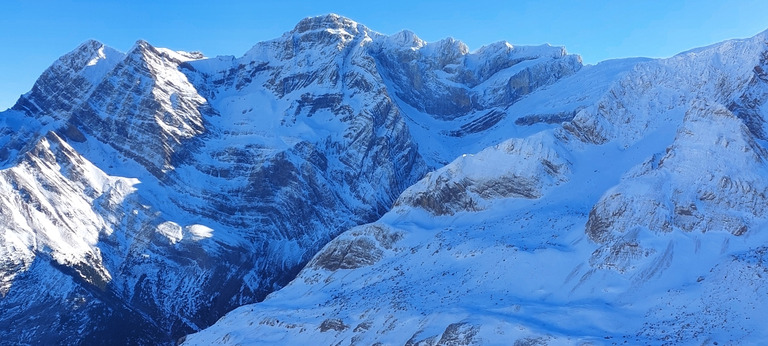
<point x="340" y="186"/>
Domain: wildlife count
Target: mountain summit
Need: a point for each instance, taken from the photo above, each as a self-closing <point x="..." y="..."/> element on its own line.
<point x="365" y="188"/>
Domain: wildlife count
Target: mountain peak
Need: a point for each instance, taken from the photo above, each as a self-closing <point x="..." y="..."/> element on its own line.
<point x="83" y="55"/>
<point x="89" y="45"/>
<point x="408" y="38"/>
<point x="329" y="21"/>
<point x="62" y="83"/>
<point x="140" y="46"/>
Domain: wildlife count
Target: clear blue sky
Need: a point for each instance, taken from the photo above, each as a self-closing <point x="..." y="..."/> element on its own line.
<point x="35" y="33"/>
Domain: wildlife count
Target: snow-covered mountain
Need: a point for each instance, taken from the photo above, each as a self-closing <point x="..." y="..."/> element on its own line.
<point x="145" y="194"/>
<point x="423" y="194"/>
<point x="638" y="217"/>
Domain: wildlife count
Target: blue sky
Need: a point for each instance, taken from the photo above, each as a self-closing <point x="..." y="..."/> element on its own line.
<point x="35" y="33"/>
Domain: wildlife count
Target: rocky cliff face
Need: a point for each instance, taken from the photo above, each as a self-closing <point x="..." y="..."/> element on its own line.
<point x="517" y="168"/>
<point x="146" y="194"/>
<point x="640" y="219"/>
<point x="444" y="79"/>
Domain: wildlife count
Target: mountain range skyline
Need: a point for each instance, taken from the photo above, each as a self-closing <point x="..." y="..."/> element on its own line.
<point x="597" y="31"/>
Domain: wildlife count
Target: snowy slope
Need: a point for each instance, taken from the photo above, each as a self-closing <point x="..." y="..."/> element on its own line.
<point x="640" y="220"/>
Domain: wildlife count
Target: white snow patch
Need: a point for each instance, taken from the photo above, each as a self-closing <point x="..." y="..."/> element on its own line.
<point x="170" y="230"/>
<point x="199" y="231"/>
